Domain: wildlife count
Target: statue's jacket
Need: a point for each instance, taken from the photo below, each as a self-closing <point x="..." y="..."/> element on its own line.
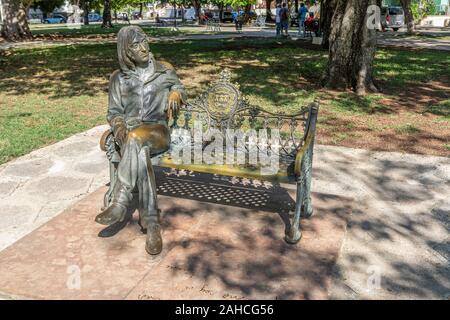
<point x="142" y="99"/>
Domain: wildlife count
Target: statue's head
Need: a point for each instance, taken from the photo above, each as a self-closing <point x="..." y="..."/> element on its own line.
<point x="132" y="48"/>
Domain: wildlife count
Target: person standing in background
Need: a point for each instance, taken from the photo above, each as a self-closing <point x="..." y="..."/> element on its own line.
<point x="284" y="19"/>
<point x="302" y="11"/>
<point x="278" y="19"/>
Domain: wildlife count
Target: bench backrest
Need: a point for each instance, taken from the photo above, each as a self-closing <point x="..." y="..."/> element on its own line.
<point x="224" y="107"/>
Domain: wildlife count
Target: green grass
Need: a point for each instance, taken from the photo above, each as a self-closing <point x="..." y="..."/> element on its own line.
<point x="445" y="37"/>
<point x="420" y="36"/>
<point x="399" y="68"/>
<point x="50" y="93"/>
<point x="352" y="103"/>
<point x="406" y="129"/>
<point x="95" y="30"/>
<point x="441" y="109"/>
<point x="45" y="122"/>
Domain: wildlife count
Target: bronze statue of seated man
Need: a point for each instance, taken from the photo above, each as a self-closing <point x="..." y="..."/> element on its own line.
<point x="143" y="95"/>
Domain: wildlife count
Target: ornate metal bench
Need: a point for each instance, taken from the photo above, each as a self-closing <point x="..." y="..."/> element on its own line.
<point x="221" y="108"/>
<point x="260" y="21"/>
<point x="213" y="25"/>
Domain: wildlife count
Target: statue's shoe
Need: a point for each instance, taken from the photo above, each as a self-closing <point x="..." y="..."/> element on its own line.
<point x="153" y="243"/>
<point x="113" y="214"/>
<point x="113" y="229"/>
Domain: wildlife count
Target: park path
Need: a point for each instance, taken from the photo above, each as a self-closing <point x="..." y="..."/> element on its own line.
<point x="384" y="40"/>
<point x="397" y="244"/>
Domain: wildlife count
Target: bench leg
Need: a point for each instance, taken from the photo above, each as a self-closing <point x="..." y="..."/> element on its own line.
<point x="307" y="210"/>
<point x="294" y="234"/>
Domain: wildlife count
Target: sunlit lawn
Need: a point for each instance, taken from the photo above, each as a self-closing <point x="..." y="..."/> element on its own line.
<point x="95" y="30"/>
<point x="47" y="94"/>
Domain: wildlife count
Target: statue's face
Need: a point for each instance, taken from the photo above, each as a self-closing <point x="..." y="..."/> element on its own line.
<point x="139" y="50"/>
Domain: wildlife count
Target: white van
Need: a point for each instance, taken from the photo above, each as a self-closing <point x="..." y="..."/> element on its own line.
<point x="189" y="13"/>
<point x="392" y="17"/>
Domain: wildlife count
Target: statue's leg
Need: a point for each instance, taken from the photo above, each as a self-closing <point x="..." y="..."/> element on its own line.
<point x="127" y="172"/>
<point x="156" y="139"/>
<point x="148" y="207"/>
<point x="107" y="199"/>
<point x="135" y="168"/>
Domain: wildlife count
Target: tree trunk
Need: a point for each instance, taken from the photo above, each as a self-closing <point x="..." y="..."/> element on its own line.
<point x="409" y="18"/>
<point x="352" y="48"/>
<point x="15" y="24"/>
<point x="247" y="9"/>
<point x="141" y="9"/>
<point x="85" y="4"/>
<point x="327" y="9"/>
<point x="183" y="20"/>
<point x="107" y="23"/>
<point x="174" y="15"/>
<point x="197" y="7"/>
<point x="220" y="11"/>
<point x="269" y="17"/>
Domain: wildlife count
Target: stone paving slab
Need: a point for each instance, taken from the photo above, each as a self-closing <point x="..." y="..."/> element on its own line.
<point x="41" y="184"/>
<point x="397" y="242"/>
<point x="210" y="251"/>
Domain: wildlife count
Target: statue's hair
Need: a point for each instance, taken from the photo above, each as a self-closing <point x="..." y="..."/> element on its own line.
<point x="124" y="39"/>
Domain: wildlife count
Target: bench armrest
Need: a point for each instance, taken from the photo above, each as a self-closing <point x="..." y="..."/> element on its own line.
<point x="305" y="153"/>
<point x="302" y="153"/>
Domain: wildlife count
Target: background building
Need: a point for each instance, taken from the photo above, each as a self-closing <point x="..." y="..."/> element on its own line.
<point x="442" y="7"/>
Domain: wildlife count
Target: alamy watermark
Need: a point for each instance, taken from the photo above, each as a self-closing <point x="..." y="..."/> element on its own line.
<point x="73" y="281"/>
<point x="374" y="280"/>
<point x="258" y="148"/>
<point x="373" y="17"/>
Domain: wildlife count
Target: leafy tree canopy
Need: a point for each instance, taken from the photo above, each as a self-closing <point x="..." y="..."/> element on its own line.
<point x="46" y="6"/>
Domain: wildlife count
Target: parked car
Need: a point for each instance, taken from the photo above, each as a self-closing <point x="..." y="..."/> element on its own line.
<point x="227" y="16"/>
<point x="55" y="19"/>
<point x="136" y="16"/>
<point x="34" y="21"/>
<point x="392" y="17"/>
<point x="95" y="17"/>
<point x="123" y="16"/>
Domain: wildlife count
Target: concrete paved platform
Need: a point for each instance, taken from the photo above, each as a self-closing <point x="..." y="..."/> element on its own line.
<point x="36" y="187"/>
<point x="210" y="251"/>
<point x="397" y="244"/>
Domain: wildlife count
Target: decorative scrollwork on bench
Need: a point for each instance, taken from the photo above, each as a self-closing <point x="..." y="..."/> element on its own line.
<point x="223" y="107"/>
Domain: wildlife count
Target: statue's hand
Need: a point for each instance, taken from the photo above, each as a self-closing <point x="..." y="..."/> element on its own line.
<point x="121" y="135"/>
<point x="175" y="101"/>
<point x="120" y="131"/>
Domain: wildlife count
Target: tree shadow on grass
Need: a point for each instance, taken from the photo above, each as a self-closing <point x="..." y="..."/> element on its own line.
<point x="269" y="69"/>
<point x="279" y="72"/>
<point x="59" y="71"/>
